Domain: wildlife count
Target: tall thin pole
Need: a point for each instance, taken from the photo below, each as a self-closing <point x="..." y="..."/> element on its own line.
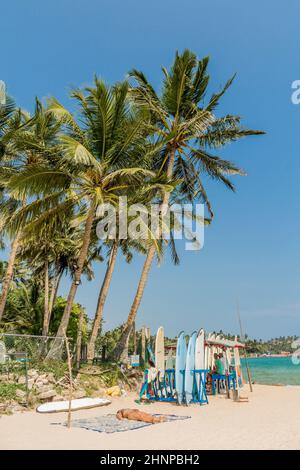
<point x="143" y="345"/>
<point x="243" y="339"/>
<point x="70" y="377"/>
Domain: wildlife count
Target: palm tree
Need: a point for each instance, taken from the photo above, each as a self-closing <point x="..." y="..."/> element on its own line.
<point x="98" y="164"/>
<point x="25" y="141"/>
<point x="8" y="125"/>
<point x="185" y="129"/>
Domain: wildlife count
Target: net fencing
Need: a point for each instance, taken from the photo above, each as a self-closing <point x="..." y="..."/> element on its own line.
<point x="35" y="348"/>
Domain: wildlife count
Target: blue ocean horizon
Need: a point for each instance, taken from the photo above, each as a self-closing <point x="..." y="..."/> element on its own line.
<point x="273" y="370"/>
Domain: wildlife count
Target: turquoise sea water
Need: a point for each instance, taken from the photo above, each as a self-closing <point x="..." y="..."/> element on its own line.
<point x="273" y="370"/>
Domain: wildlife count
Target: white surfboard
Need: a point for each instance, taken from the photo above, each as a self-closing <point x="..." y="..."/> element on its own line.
<point x="199" y="352"/>
<point x="78" y="404"/>
<point x="207" y="354"/>
<point x="213" y="352"/>
<point x="189" y="368"/>
<point x="181" y="350"/>
<point x="160" y="351"/>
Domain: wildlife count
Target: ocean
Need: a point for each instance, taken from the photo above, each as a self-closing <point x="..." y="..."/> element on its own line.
<point x="273" y="370"/>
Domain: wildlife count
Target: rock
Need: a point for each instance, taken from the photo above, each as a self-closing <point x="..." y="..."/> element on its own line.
<point x="79" y="394"/>
<point x="47" y="395"/>
<point x="44" y="389"/>
<point x="20" y="394"/>
<point x="33" y="373"/>
<point x="22" y="380"/>
<point x="58" y="398"/>
<point x="39" y="384"/>
<point x="3" y="407"/>
<point x="30" y="383"/>
<point x="42" y="377"/>
<point x="45" y="381"/>
<point x="51" y="378"/>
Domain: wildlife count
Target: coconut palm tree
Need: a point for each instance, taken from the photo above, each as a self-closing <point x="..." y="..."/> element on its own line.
<point x="25" y="141"/>
<point x="186" y="130"/>
<point x="98" y="164"/>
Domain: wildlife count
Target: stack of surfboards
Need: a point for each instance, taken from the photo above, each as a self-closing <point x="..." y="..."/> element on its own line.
<point x="188" y="358"/>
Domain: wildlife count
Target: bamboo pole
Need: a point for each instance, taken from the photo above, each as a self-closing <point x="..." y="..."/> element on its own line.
<point x="70" y="378"/>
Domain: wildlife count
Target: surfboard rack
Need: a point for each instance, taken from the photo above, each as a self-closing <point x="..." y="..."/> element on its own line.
<point x="162" y="388"/>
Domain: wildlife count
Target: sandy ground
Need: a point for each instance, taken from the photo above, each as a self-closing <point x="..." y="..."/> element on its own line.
<point x="270" y="420"/>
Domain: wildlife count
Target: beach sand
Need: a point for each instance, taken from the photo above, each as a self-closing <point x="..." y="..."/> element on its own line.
<point x="270" y="420"/>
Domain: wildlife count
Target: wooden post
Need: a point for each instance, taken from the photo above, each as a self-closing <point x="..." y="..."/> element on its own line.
<point x="70" y="377"/>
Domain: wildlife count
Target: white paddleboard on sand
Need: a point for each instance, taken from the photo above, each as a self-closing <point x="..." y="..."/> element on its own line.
<point x="78" y="404"/>
<point x="160" y="351"/>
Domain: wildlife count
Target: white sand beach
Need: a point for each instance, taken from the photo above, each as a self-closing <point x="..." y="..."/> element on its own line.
<point x="270" y="420"/>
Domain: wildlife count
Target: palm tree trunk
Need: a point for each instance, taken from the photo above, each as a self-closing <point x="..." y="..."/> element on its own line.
<point x="9" y="273"/>
<point x="120" y="351"/>
<point x="79" y="339"/>
<point x="54" y="291"/>
<point x="46" y="300"/>
<point x="101" y="301"/>
<point x="56" y="349"/>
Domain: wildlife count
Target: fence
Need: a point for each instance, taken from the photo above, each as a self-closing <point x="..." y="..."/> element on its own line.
<point x="35" y="348"/>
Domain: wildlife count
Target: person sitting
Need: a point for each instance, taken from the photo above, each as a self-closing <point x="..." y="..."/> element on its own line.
<point x="219" y="364"/>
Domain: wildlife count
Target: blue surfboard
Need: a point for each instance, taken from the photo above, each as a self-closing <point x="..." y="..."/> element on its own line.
<point x="180" y="366"/>
<point x="189" y="368"/>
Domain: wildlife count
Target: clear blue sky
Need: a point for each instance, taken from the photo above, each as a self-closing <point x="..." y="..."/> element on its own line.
<point x="252" y="249"/>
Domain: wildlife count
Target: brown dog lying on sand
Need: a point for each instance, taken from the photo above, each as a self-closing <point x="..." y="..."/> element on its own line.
<point x="137" y="415"/>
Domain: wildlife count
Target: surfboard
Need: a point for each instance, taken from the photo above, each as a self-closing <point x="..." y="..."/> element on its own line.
<point x="189" y="367"/>
<point x="160" y="352"/>
<point x="199" y="351"/>
<point x="180" y="362"/>
<point x="213" y="350"/>
<point x="78" y="404"/>
<point x="207" y="354"/>
<point x="238" y="369"/>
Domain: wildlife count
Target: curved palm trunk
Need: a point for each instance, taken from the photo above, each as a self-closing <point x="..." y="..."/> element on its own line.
<point x="53" y="295"/>
<point x="79" y="338"/>
<point x="46" y="300"/>
<point x="9" y="273"/>
<point x="56" y="348"/>
<point x="101" y="301"/>
<point x="120" y="352"/>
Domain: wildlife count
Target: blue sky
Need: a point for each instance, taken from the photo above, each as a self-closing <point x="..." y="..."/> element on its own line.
<point x="251" y="251"/>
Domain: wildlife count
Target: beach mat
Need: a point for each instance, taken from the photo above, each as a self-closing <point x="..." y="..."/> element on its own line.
<point x="109" y="423"/>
